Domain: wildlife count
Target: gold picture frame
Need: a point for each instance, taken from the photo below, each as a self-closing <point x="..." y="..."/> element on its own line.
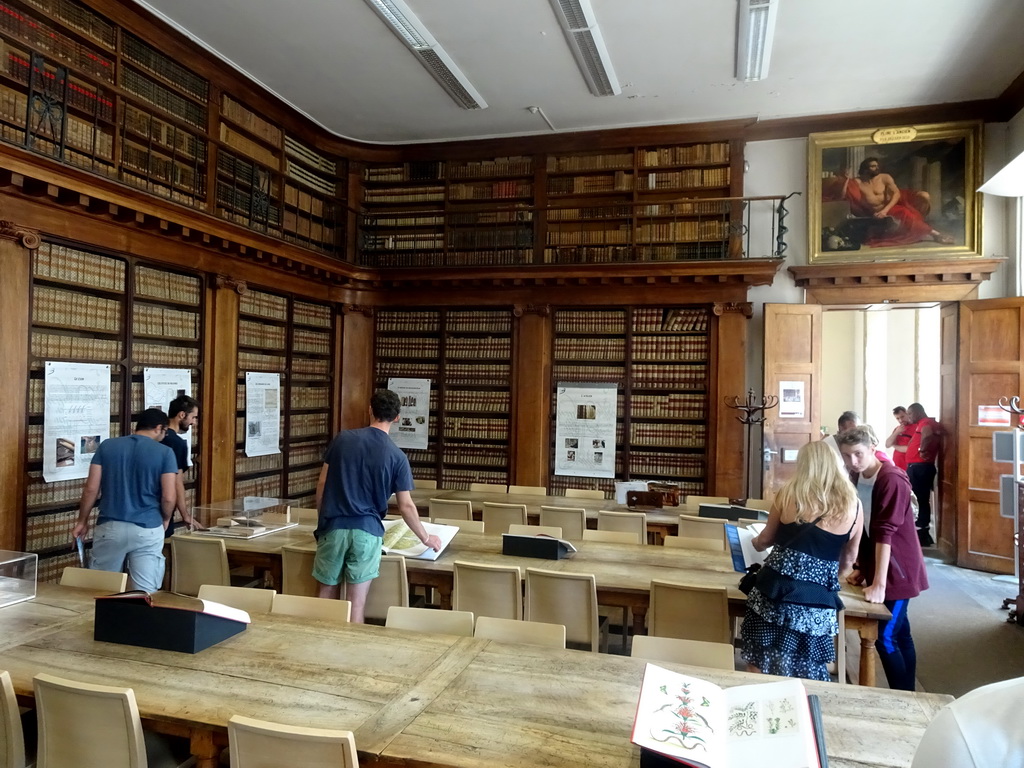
<point x="854" y="214"/>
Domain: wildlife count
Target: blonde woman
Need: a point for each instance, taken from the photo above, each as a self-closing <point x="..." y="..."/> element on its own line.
<point x="814" y="526"/>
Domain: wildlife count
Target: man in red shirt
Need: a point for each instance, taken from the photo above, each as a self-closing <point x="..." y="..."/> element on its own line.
<point x="900" y="437"/>
<point x="922" y="450"/>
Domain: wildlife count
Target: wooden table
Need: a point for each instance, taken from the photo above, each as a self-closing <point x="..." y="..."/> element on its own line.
<point x="427" y="700"/>
<point x="52" y="608"/>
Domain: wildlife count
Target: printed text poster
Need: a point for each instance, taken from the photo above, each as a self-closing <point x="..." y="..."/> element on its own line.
<point x="411" y="431"/>
<point x="585" y="430"/>
<point x="262" y="413"/>
<point x="160" y="386"/>
<point x="791" y="400"/>
<point x="76" y="418"/>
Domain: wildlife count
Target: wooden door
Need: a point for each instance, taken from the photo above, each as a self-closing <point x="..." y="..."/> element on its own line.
<point x="792" y="353"/>
<point x="949" y="356"/>
<point x="991" y="352"/>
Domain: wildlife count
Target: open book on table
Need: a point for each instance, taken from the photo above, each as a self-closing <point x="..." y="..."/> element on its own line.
<point x="181" y="603"/>
<point x="741" y="545"/>
<point x="696" y="723"/>
<point x="400" y="540"/>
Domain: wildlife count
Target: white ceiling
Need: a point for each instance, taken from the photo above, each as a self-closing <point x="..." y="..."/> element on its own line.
<point x="337" y="62"/>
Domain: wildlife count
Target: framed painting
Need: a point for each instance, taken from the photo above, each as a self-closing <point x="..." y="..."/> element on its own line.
<point x="894" y="193"/>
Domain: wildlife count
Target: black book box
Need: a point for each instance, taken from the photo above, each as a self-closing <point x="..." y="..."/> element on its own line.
<point x="533" y="546"/>
<point x="134" y="621"/>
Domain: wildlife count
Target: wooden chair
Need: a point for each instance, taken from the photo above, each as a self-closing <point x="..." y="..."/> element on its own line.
<point x="90" y="578"/>
<point x="523" y="632"/>
<point x="12" y="737"/>
<point x="570" y="599"/>
<point x="691" y="542"/>
<point x="572" y="520"/>
<point x="428" y="620"/>
<point x="451" y="509"/>
<point x="702" y="528"/>
<point x="297" y="571"/>
<point x="528" y="490"/>
<point x="487" y="488"/>
<point x="762" y="504"/>
<point x="689" y="613"/>
<point x="535" y="530"/>
<point x="312" y="607"/>
<point x="583" y="493"/>
<point x="634" y="522"/>
<point x="743" y="523"/>
<point x="197" y="560"/>
<point x="611" y="537"/>
<point x="498" y="517"/>
<point x="494" y="591"/>
<point x="696" y="652"/>
<point x="696" y="501"/>
<point x="245" y="598"/>
<point x="424" y="485"/>
<point x="303" y="515"/>
<point x="388" y="589"/>
<point x="260" y="744"/>
<point x="470" y="526"/>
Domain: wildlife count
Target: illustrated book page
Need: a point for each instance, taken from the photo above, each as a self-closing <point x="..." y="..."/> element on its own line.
<point x="400" y="540"/>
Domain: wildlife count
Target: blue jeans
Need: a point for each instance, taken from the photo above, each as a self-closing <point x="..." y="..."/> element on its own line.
<point x="896" y="647"/>
<point x="115" y="541"/>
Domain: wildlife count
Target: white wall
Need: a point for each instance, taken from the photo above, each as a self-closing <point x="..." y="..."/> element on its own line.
<point x="842" y="364"/>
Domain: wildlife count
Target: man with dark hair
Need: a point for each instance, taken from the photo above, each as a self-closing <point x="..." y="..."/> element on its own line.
<point x="133" y="477"/>
<point x="362" y="468"/>
<point x="922" y="451"/>
<point x="899" y="439"/>
<point x="847" y="420"/>
<point x="889" y="564"/>
<point x="182" y="415"/>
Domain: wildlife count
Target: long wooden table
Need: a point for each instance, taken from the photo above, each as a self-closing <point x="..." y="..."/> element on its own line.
<point x="424" y="700"/>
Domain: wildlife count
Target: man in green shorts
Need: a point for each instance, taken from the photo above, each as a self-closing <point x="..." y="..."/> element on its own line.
<point x="362" y="468"/>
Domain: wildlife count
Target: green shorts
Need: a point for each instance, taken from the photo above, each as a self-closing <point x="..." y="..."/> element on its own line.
<point x="349" y="552"/>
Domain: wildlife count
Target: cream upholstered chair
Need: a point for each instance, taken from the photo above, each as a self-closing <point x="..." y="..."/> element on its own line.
<point x="197" y="560"/>
<point x="692" y="542"/>
<point x="572" y="520"/>
<point x="611" y="537"/>
<point x="89" y="578"/>
<point x="12" y="738"/>
<point x="429" y="620"/>
<point x="689" y="613"/>
<point x="635" y="522"/>
<point x="763" y="504"/>
<point x="672" y="649"/>
<point x="535" y="530"/>
<point x="244" y="598"/>
<point x="312" y="607"/>
<point x="528" y="490"/>
<point x="259" y="744"/>
<point x="488" y="590"/>
<point x="388" y="589"/>
<point x="570" y="599"/>
<point x="303" y="515"/>
<point x="696" y="501"/>
<point x="498" y="517"/>
<point x="583" y="493"/>
<point x="702" y="528"/>
<point x="469" y="526"/>
<point x="451" y="509"/>
<point x="523" y="632"/>
<point x="424" y="485"/>
<point x="297" y="571"/>
<point x="487" y="488"/>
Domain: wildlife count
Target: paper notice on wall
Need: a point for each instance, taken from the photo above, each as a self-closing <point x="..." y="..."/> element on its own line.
<point x="262" y="413"/>
<point x="76" y="418"/>
<point x="585" y="430"/>
<point x="162" y="385"/>
<point x="791" y="400"/>
<point x="412" y="430"/>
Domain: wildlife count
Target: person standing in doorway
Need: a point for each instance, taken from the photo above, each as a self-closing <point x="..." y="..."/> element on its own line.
<point x="922" y="451"/>
<point x="362" y="468"/>
<point x="900" y="437"/>
<point x="847" y="420"/>
<point x="183" y="414"/>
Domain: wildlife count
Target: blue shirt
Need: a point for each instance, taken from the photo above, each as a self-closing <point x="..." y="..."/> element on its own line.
<point x="363" y="469"/>
<point x="130" y="488"/>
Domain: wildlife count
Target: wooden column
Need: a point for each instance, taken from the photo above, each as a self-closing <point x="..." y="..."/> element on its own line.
<point x="531" y="397"/>
<point x="218" y="412"/>
<point x="16" y="244"/>
<point x="356" y="384"/>
<point x="728" y="378"/>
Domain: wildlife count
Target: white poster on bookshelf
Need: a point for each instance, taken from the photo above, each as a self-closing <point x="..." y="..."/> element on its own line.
<point x="585" y="430"/>
<point x="412" y="429"/>
<point x="262" y="413"/>
<point x="76" y="418"/>
<point x="162" y="385"/>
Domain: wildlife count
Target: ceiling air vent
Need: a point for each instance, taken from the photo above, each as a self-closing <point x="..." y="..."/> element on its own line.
<point x="587" y="44"/>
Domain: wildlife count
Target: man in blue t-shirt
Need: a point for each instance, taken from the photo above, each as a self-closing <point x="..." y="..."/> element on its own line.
<point x="134" y="479"/>
<point x="362" y="468"/>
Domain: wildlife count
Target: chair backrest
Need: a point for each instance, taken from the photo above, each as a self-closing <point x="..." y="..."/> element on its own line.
<point x="12" y="739"/>
<point x="297" y="571"/>
<point x="535" y="530"/>
<point x="702" y="528"/>
<point x="611" y="537"/>
<point x="82" y="725"/>
<point x="428" y="620"/>
<point x="451" y="509"/>
<point x="570" y="599"/>
<point x="312" y="607"/>
<point x="488" y="590"/>
<point x="762" y="504"/>
<point x="470" y="526"/>
<point x="259" y="744"/>
<point x="634" y="522"/>
<point x="528" y="490"/>
<point x="498" y="517"/>
<point x="572" y="520"/>
<point x="743" y="522"/>
<point x="696" y="501"/>
<point x="488" y="488"/>
<point x="693" y="542"/>
<point x="303" y="515"/>
<point x="583" y="493"/>
<point x="89" y="578"/>
<point x="523" y="632"/>
<point x="424" y="485"/>
<point x="672" y="649"/>
<point x="248" y="599"/>
<point x="390" y="588"/>
<point x="689" y="613"/>
<point x="197" y="560"/>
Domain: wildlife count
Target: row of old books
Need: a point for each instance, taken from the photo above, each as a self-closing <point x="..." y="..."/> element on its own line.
<point x="310" y="368"/>
<point x="478" y="322"/>
<point x="160" y="284"/>
<point x="669" y="349"/>
<point x="674" y="231"/>
<point x="299" y="227"/>
<point x="404" y="195"/>
<point x="671" y="405"/>
<point x="710" y="249"/>
<point x="469" y="427"/>
<point x="268" y="486"/>
<point x="245" y="465"/>
<point x="404" y="241"/>
<point x="52" y="529"/>
<point x="310" y="397"/>
<point x="252" y="333"/>
<point x="165" y="355"/>
<point x="151" y="320"/>
<point x="40" y="493"/>
<point x="265" y="305"/>
<point x="308" y="425"/>
<point x="245" y="118"/>
<point x="691" y="178"/>
<point x="686" y="320"/>
<point x="707" y="208"/>
<point x="400" y="369"/>
<point x="490" y="191"/>
<point x="519" y="165"/>
<point x="310" y="342"/>
<point x="392" y="346"/>
<point x="426" y="321"/>
<point x="311" y="157"/>
<point x="488" y="348"/>
<point x="59" y="262"/>
<point x="304" y="201"/>
<point x="258" y="361"/>
<point x="518" y="215"/>
<point x="597" y="212"/>
<point x="494" y="237"/>
<point x="579" y="254"/>
<point x="623" y="233"/>
<point x="185" y="197"/>
<point x="54" y="346"/>
<point x="251" y="149"/>
<point x="144" y="55"/>
<point x="165" y="134"/>
<point x="475" y="400"/>
<point x="590" y="349"/>
<point x="187" y="172"/>
<point x="476" y="455"/>
<point x="404" y="220"/>
<point x="152" y="92"/>
<point x="460" y="479"/>
<point x="670" y="377"/>
<point x="302" y="480"/>
<point x="305" y="313"/>
<point x="54" y="306"/>
<point x="611" y="161"/>
<point x="423" y="170"/>
<point x="685" y="155"/>
<point x="668" y="435"/>
<point x="422" y="457"/>
<point x="79" y="17"/>
<point x="478" y="375"/>
<point x="573" y="321"/>
<point x="619" y="181"/>
<point x="605" y="373"/>
<point x="307" y="453"/>
<point x="671" y="464"/>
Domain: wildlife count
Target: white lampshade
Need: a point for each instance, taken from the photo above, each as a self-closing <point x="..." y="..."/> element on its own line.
<point x="1009" y="182"/>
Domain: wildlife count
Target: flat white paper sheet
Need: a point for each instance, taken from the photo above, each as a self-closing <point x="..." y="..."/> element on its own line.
<point x="585" y="430"/>
<point x="791" y="400"/>
<point x="411" y="431"/>
<point x="262" y="413"/>
<point x="160" y="386"/>
<point x="76" y="418"/>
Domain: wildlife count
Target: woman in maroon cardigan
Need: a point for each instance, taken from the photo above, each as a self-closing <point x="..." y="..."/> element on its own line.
<point x="890" y="564"/>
